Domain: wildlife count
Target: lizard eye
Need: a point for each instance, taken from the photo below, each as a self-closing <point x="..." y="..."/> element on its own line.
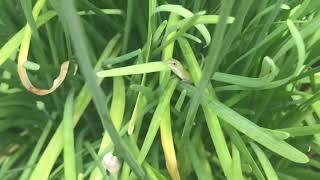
<point x="174" y="63"/>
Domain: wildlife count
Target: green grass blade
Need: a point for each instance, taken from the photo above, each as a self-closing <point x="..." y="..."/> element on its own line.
<point x="253" y="131"/>
<point x="127" y="27"/>
<point x="180" y="101"/>
<point x="105" y="11"/>
<point x="178" y="9"/>
<point x="140" y="103"/>
<point x="300" y="44"/>
<point x="200" y="162"/>
<point x="244" y="152"/>
<point x="68" y="140"/>
<point x="203" y="19"/>
<point x="156" y="119"/>
<point x="167" y="140"/>
<point x="267" y="65"/>
<point x="236" y="172"/>
<point x="302" y="131"/>
<point x="157" y="34"/>
<point x="191" y="37"/>
<point x="306" y="31"/>
<point x="170" y="39"/>
<point x="265" y="163"/>
<point x="196" y="162"/>
<point x="281" y="135"/>
<point x="211" y="118"/>
<point x="147" y="91"/>
<point x="27" y="10"/>
<point x="78" y="39"/>
<point x="135" y="69"/>
<point x="123" y="58"/>
<point x="36" y="152"/>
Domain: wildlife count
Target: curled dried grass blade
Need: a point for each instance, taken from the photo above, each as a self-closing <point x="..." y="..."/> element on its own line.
<point x="23" y="55"/>
<point x="28" y="85"/>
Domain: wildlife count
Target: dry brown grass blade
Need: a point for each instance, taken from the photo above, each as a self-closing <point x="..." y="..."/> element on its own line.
<point x="23" y="55"/>
<point x="26" y="81"/>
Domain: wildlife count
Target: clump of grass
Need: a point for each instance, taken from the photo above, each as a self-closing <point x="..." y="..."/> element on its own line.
<point x="248" y="109"/>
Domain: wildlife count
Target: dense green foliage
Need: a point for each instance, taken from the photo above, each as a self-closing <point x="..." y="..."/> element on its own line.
<point x="247" y="106"/>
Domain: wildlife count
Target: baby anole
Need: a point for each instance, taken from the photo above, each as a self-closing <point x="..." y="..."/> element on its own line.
<point x="178" y="69"/>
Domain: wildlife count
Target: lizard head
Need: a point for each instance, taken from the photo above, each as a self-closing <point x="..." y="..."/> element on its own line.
<point x="178" y="69"/>
<point x="174" y="64"/>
